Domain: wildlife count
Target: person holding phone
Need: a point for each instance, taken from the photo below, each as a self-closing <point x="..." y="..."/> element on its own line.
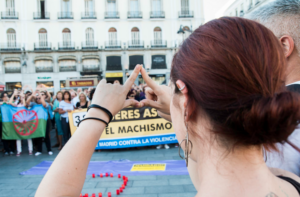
<point x="39" y="98"/>
<point x="65" y="106"/>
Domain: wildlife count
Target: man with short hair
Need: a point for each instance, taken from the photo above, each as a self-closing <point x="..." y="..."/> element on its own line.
<point x="282" y="17"/>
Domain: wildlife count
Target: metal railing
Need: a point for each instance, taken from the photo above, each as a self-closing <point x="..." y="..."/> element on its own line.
<point x="65" y="15"/>
<point x="41" y="15"/>
<point x="135" y="44"/>
<point x="158" y="43"/>
<point x="134" y="14"/>
<point x="157" y="14"/>
<point x="66" y="46"/>
<point x="89" y="45"/>
<point x="10" y="15"/>
<point x="112" y="15"/>
<point x="88" y="15"/>
<point x="42" y="69"/>
<point x="87" y="68"/>
<point x="10" y="46"/>
<point x="113" y="44"/>
<point x="10" y="69"/>
<point x="186" y="14"/>
<point x="67" y="68"/>
<point x="42" y="46"/>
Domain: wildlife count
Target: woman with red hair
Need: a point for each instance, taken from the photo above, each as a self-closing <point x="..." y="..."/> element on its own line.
<point x="228" y="104"/>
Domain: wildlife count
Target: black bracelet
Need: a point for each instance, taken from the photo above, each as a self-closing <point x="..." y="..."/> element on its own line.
<point x="92" y="118"/>
<point x="103" y="109"/>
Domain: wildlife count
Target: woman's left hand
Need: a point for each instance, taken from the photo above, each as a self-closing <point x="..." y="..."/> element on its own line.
<point x="113" y="96"/>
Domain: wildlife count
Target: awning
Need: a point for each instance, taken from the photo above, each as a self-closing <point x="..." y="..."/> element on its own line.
<point x="68" y="57"/>
<point x="113" y="75"/>
<point x="90" y="57"/>
<point x="12" y="59"/>
<point x="43" y="58"/>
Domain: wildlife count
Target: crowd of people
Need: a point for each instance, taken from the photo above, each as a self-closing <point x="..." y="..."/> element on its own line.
<point x="58" y="107"/>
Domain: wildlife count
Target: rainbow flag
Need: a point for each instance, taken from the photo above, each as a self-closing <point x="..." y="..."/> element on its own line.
<point x="19" y="123"/>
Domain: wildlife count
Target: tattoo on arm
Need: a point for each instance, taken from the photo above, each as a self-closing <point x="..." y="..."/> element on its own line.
<point x="271" y="194"/>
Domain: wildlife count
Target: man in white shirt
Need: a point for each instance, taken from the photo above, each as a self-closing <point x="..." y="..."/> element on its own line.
<point x="282" y="17"/>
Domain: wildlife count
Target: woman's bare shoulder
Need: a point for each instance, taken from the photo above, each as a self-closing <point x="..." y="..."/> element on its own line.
<point x="280" y="172"/>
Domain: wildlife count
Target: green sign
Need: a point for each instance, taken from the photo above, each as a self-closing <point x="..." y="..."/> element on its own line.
<point x="44" y="77"/>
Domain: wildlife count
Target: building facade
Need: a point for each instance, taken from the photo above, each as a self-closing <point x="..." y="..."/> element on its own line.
<point x="50" y="41"/>
<point x="241" y="7"/>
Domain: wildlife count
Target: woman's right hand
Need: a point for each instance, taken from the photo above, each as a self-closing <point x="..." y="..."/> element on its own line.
<point x="157" y="96"/>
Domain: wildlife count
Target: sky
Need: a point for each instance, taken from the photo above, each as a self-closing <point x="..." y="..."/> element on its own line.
<point x="215" y="8"/>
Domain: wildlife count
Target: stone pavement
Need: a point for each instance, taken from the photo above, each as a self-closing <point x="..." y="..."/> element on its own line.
<point x="13" y="184"/>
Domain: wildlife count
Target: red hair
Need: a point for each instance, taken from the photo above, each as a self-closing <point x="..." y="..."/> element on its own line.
<point x="234" y="70"/>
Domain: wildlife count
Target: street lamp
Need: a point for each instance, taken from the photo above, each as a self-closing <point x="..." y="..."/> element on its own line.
<point x="181" y="32"/>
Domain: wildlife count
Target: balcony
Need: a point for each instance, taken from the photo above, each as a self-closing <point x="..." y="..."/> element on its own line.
<point x="90" y="68"/>
<point x="113" y="45"/>
<point x="66" y="46"/>
<point x="67" y="68"/>
<point x="158" y="44"/>
<point x="42" y="46"/>
<point x="88" y="15"/>
<point x="135" y="14"/>
<point x="10" y="15"/>
<point x="186" y="14"/>
<point x="10" y="47"/>
<point x="112" y="15"/>
<point x="11" y="69"/>
<point x="65" y="15"/>
<point x="43" y="69"/>
<point x="89" y="45"/>
<point x="157" y="14"/>
<point x="134" y="44"/>
<point x="41" y="15"/>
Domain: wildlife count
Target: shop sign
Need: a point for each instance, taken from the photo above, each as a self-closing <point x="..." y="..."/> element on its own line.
<point x="81" y="83"/>
<point x="113" y="75"/>
<point x="43" y="77"/>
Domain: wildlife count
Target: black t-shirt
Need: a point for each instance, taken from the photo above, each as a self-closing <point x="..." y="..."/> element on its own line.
<point x="84" y="106"/>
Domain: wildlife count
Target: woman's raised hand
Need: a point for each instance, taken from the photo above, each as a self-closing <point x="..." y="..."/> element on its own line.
<point x="113" y="96"/>
<point x="157" y="96"/>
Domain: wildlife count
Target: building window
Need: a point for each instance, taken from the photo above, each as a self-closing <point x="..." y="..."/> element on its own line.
<point x="159" y="62"/>
<point x="250" y="3"/>
<point x="185" y="6"/>
<point x="156" y="7"/>
<point x="236" y="12"/>
<point x="66" y="37"/>
<point x="62" y="83"/>
<point x="113" y="63"/>
<point x="43" y="66"/>
<point x="10" y="86"/>
<point x="66" y="8"/>
<point x="89" y="7"/>
<point x="11" y="38"/>
<point x="89" y="36"/>
<point x="157" y="36"/>
<point x="134" y="8"/>
<point x="112" y="36"/>
<point x="67" y="65"/>
<point x="135" y="36"/>
<point x="43" y="40"/>
<point x="111" y="8"/>
<point x="42" y="8"/>
<point x="10" y="7"/>
<point x="134" y="60"/>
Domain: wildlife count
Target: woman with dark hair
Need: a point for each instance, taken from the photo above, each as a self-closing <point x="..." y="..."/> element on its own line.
<point x="228" y="103"/>
<point x="65" y="106"/>
<point x="59" y="131"/>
